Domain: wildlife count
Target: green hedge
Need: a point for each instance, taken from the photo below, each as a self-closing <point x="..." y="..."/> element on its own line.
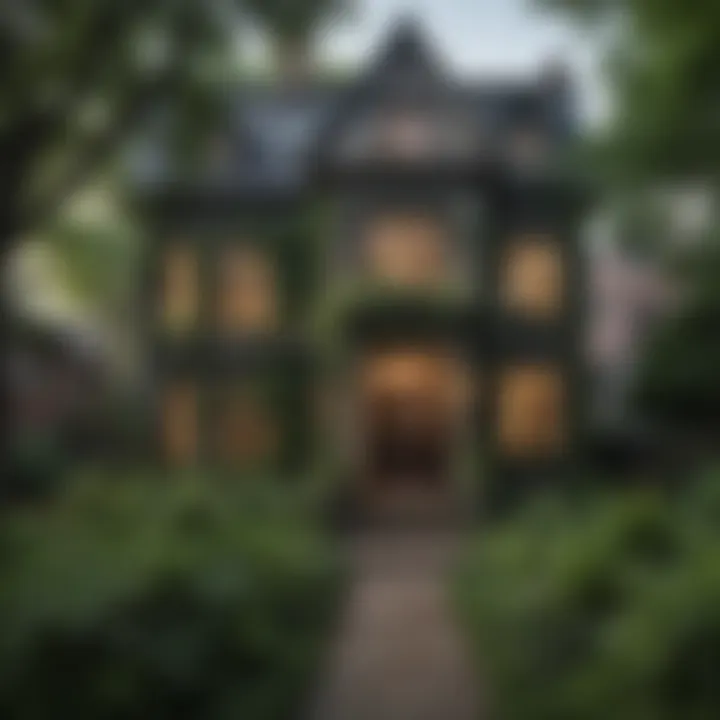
<point x="610" y="609"/>
<point x="162" y="600"/>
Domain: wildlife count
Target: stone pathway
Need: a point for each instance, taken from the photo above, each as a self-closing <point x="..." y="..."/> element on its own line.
<point x="399" y="655"/>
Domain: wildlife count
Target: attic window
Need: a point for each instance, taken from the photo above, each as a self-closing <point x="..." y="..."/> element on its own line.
<point x="246" y="429"/>
<point x="406" y="135"/>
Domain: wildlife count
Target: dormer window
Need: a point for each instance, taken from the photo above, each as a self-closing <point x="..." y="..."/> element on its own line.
<point x="406" y="135"/>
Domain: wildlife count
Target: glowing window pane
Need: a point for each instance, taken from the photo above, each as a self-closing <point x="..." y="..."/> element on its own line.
<point x="407" y="250"/>
<point x="531" y="411"/>
<point x="247" y="291"/>
<point x="532" y="277"/>
<point x="180" y="289"/>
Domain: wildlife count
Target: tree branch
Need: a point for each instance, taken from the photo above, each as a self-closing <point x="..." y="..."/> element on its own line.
<point x="99" y="147"/>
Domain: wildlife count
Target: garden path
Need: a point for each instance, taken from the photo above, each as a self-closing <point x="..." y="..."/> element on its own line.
<point x="399" y="655"/>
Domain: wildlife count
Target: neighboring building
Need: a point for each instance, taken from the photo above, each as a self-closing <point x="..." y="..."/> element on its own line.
<point x="628" y="300"/>
<point x="386" y="266"/>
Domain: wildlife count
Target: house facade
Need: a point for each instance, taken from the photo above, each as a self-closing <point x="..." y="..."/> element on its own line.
<point x="381" y="272"/>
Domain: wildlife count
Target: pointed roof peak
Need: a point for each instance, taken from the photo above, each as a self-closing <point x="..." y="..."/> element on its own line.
<point x="408" y="33"/>
<point x="408" y="49"/>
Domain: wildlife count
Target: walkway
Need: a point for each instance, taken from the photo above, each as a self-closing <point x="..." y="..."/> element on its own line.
<point x="399" y="656"/>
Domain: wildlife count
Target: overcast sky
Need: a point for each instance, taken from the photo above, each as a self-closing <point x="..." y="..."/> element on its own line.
<point x="478" y="36"/>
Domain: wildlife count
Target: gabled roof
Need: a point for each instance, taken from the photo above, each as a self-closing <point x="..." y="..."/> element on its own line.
<point x="273" y="130"/>
<point x="407" y="55"/>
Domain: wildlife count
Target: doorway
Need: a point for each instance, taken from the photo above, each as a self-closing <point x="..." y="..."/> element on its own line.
<point x="412" y="408"/>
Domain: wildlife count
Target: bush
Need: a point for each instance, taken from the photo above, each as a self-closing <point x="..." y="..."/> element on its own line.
<point x="606" y="610"/>
<point x="161" y="600"/>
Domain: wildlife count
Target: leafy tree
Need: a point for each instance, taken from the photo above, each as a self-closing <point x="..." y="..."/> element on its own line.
<point x="77" y="79"/>
<point x="678" y="380"/>
<point x="293" y="23"/>
<point x="663" y="59"/>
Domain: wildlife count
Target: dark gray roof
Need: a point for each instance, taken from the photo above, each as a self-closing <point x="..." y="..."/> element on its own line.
<point x="271" y="130"/>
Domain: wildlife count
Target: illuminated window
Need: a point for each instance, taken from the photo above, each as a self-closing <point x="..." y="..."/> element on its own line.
<point x="247" y="291"/>
<point x="406" y="136"/>
<point x="427" y="381"/>
<point x="407" y="249"/>
<point x="179" y="289"/>
<point x="532" y="277"/>
<point x="179" y="423"/>
<point x="531" y="411"/>
<point x="246" y="432"/>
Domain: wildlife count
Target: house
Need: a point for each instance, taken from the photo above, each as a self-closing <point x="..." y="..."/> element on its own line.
<point x="385" y="268"/>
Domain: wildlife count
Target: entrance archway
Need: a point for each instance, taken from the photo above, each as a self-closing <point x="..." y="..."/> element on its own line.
<point x="413" y="404"/>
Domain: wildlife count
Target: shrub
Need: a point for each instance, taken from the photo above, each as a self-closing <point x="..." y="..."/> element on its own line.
<point x="606" y="610"/>
<point x="163" y="600"/>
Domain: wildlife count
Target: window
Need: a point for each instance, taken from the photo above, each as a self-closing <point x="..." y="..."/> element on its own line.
<point x="532" y="277"/>
<point x="531" y="411"/>
<point x="179" y="289"/>
<point x="246" y="431"/>
<point x="407" y="249"/>
<point x="425" y="380"/>
<point x="179" y="423"/>
<point x="403" y="135"/>
<point x="247" y="291"/>
<point x="406" y="135"/>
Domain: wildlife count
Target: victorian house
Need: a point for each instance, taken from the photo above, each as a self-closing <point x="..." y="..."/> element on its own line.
<point x="381" y="271"/>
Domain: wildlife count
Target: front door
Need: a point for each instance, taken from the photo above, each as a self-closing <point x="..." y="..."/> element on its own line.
<point x="410" y="423"/>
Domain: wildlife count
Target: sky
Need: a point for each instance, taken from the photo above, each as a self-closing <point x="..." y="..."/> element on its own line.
<point x="477" y="37"/>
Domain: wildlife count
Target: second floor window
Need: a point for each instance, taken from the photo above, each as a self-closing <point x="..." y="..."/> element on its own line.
<point x="532" y="278"/>
<point x="406" y="250"/>
<point x="179" y="289"/>
<point x="247" y="291"/>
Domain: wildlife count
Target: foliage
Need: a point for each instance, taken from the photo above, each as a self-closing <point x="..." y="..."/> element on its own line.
<point x="677" y="379"/>
<point x="85" y="74"/>
<point x="353" y="301"/>
<point x="610" y="608"/>
<point x="170" y="598"/>
<point x="291" y="22"/>
<point x="663" y="59"/>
